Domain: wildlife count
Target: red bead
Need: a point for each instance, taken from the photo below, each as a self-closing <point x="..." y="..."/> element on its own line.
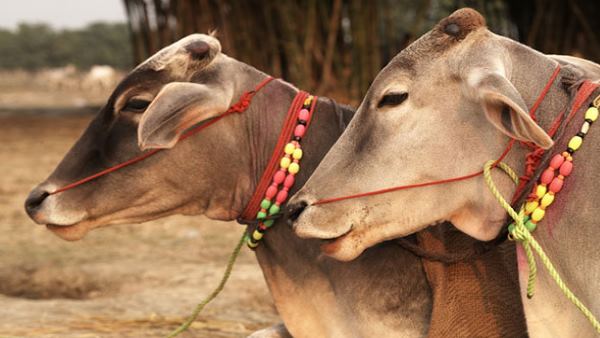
<point x="304" y="115"/>
<point x="556" y="185"/>
<point x="289" y="181"/>
<point x="547" y="176"/>
<point x="299" y="131"/>
<point x="279" y="176"/>
<point x="271" y="192"/>
<point x="566" y="168"/>
<point x="557" y="161"/>
<point x="281" y="196"/>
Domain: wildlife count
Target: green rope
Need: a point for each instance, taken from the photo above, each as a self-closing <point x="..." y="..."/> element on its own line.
<point x="234" y="255"/>
<point x="519" y="232"/>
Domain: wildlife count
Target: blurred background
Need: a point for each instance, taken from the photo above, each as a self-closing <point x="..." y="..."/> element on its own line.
<point x="59" y="61"/>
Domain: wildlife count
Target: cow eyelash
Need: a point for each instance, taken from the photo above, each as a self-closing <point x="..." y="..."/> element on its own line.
<point x="136" y="105"/>
<point x="392" y="99"/>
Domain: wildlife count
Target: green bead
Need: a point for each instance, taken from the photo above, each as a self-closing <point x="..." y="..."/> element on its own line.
<point x="530" y="226"/>
<point x="511" y="227"/>
<point x="274" y="209"/>
<point x="265" y="204"/>
<point x="261" y="215"/>
<point x="268" y="223"/>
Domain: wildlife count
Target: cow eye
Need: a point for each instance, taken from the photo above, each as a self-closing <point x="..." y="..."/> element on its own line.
<point x="136" y="105"/>
<point x="392" y="99"/>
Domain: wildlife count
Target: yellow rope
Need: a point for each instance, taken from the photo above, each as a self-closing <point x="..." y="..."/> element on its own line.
<point x="519" y="233"/>
<point x="234" y="255"/>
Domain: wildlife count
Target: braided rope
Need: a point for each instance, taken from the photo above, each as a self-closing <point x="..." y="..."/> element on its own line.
<point x="519" y="233"/>
<point x="232" y="258"/>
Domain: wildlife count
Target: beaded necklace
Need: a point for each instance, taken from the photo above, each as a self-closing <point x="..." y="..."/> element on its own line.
<point x="550" y="184"/>
<point x="285" y="176"/>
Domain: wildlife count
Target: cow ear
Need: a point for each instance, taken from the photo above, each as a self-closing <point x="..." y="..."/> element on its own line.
<point x="176" y="108"/>
<point x="505" y="108"/>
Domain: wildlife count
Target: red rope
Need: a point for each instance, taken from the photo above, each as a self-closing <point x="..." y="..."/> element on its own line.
<point x="532" y="157"/>
<point x="239" y="107"/>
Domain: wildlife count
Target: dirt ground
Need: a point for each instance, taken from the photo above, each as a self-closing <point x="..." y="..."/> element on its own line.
<point x="121" y="281"/>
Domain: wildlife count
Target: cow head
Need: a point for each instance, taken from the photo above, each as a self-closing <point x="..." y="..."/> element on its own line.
<point x="440" y="109"/>
<point x="185" y="83"/>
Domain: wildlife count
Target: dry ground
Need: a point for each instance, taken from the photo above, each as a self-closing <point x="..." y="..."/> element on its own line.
<point x="121" y="281"/>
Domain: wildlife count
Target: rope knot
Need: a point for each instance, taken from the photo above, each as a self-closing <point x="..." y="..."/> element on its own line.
<point x="242" y="103"/>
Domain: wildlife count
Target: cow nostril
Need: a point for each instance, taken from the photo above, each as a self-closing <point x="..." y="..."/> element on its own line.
<point x="294" y="210"/>
<point x="34" y="200"/>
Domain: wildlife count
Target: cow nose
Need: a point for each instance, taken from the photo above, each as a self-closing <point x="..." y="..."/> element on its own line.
<point x="34" y="201"/>
<point x="294" y="210"/>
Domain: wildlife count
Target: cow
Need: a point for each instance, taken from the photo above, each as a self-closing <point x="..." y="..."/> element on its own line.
<point x="440" y="109"/>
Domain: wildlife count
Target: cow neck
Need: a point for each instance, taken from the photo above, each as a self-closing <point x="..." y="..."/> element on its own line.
<point x="279" y="175"/>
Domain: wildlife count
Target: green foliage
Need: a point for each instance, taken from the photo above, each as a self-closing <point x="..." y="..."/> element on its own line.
<point x="34" y="46"/>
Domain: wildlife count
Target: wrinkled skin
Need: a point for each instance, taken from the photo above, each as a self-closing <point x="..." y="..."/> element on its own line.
<point x="442" y="108"/>
<point x="213" y="174"/>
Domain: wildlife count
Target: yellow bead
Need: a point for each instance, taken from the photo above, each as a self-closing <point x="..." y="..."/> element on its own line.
<point x="257" y="235"/>
<point x="547" y="200"/>
<point x="289" y="148"/>
<point x="285" y="162"/>
<point x="575" y="142"/>
<point x="531" y="206"/>
<point x="251" y="245"/>
<point x="540" y="191"/>
<point x="294" y="168"/>
<point x="591" y="114"/>
<point x="297" y="154"/>
<point x="308" y="100"/>
<point x="538" y="214"/>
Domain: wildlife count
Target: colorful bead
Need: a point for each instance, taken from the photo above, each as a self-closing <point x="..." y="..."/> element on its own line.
<point x="557" y="161"/>
<point x="556" y="185"/>
<point x="547" y="200"/>
<point x="294" y="168"/>
<point x="265" y="204"/>
<point x="297" y="154"/>
<point x="257" y="235"/>
<point x="251" y="244"/>
<point x="261" y="215"/>
<point x="547" y="176"/>
<point x="268" y="223"/>
<point x="530" y="225"/>
<point x="279" y="176"/>
<point x="538" y="214"/>
<point x="299" y="130"/>
<point x="591" y="114"/>
<point x="289" y="181"/>
<point x="289" y="148"/>
<point x="274" y="209"/>
<point x="304" y="114"/>
<point x="540" y="190"/>
<point x="281" y="197"/>
<point x="575" y="142"/>
<point x="308" y="101"/>
<point x="271" y="192"/>
<point x="285" y="162"/>
<point x="585" y="128"/>
<point x="530" y="206"/>
<point x="566" y="168"/>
